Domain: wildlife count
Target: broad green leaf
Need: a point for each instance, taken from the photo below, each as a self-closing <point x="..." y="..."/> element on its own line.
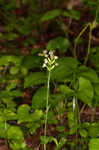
<point x="5" y="60"/>
<point x="35" y="78"/>
<point x="66" y="90"/>
<point x="14" y="93"/>
<point x="23" y="109"/>
<point x="32" y="62"/>
<point x="74" y="14"/>
<point x="14" y="70"/>
<point x="60" y="43"/>
<point x="36" y="115"/>
<point x="85" y="91"/>
<point x="83" y="133"/>
<point x="4" y="126"/>
<point x="25" y="116"/>
<point x="23" y="113"/>
<point x="94" y="144"/>
<point x="39" y="98"/>
<point x="88" y="73"/>
<point x="51" y="15"/>
<point x="65" y="69"/>
<point x="15" y="135"/>
<point x="93" y="130"/>
<point x="9" y="115"/>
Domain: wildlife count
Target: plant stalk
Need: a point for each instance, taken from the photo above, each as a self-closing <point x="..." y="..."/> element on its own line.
<point x="89" y="44"/>
<point x="47" y="108"/>
<point x="77" y="39"/>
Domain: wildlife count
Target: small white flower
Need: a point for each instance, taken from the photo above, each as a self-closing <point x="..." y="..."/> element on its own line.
<point x="39" y="54"/>
<point x="44" y="65"/>
<point x="45" y="51"/>
<point x="50" y="53"/>
<point x="56" y="64"/>
<point x="56" y="57"/>
<point x="46" y="55"/>
<point x="45" y="61"/>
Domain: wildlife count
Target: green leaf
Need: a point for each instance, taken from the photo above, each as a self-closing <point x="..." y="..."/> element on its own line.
<point x="88" y="73"/>
<point x="14" y="93"/>
<point x="66" y="90"/>
<point x="74" y="14"/>
<point x="83" y="133"/>
<point x="94" y="144"/>
<point x="5" y="60"/>
<point x="85" y="91"/>
<point x="9" y="115"/>
<point x="23" y="113"/>
<point x="36" y="116"/>
<point x="25" y="116"/>
<point x="60" y="43"/>
<point x="93" y="130"/>
<point x="39" y="98"/>
<point x="35" y="78"/>
<point x="64" y="70"/>
<point x="4" y="126"/>
<point x="32" y="62"/>
<point x="15" y="135"/>
<point x="51" y="15"/>
<point x="14" y="70"/>
<point x="23" y="109"/>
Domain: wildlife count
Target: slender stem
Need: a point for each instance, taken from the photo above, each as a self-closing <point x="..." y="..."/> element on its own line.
<point x="76" y="110"/>
<point x="82" y="109"/>
<point x="47" y="108"/>
<point x="93" y="114"/>
<point x="77" y="39"/>
<point x="89" y="44"/>
<point x="97" y="10"/>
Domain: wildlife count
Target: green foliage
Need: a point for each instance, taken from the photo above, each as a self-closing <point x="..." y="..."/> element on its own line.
<point x="24" y="115"/>
<point x="83" y="133"/>
<point x="52" y="14"/>
<point x="93" y="130"/>
<point x="85" y="91"/>
<point x="74" y="14"/>
<point x="94" y="144"/>
<point x="88" y="73"/>
<point x="35" y="78"/>
<point x="39" y="98"/>
<point x="60" y="43"/>
<point x="15" y="135"/>
<point x="26" y="28"/>
<point x="65" y="69"/>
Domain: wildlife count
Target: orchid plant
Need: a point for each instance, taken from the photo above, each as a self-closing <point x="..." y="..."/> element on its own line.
<point x="49" y="64"/>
